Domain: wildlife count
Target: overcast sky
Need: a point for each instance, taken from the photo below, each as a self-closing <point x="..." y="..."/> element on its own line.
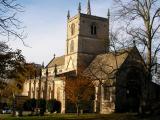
<point x="45" y="22"/>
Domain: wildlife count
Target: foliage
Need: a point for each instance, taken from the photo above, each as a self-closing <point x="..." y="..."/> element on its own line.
<point x="30" y="105"/>
<point x="11" y="62"/>
<point x="41" y="103"/>
<point x="77" y="89"/>
<point x="87" y="106"/>
<point x="2" y="85"/>
<point x="12" y="70"/>
<point x="54" y="106"/>
<point x="32" y="70"/>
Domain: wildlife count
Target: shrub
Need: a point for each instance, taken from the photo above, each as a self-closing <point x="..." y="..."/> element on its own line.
<point x="87" y="106"/>
<point x="58" y="106"/>
<point x="29" y="105"/>
<point x="41" y="103"/>
<point x="54" y="106"/>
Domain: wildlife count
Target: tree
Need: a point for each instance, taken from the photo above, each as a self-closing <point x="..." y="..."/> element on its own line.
<point x="14" y="70"/>
<point x="77" y="89"/>
<point x="10" y="26"/>
<point x="32" y="70"/>
<point x="11" y="62"/>
<point x="141" y="21"/>
<point x="12" y="67"/>
<point x="158" y="71"/>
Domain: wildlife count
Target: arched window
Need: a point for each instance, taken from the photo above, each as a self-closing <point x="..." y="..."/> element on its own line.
<point x="72" y="46"/>
<point x="72" y="29"/>
<point x="93" y="29"/>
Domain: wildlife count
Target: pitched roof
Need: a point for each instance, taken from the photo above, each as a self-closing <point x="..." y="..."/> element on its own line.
<point x="56" y="61"/>
<point x="105" y="65"/>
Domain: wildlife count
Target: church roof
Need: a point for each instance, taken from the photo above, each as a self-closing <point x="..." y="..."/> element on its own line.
<point x="105" y="65"/>
<point x="56" y="61"/>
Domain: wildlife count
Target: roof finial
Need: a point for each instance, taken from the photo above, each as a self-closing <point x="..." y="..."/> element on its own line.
<point x="43" y="64"/>
<point x="55" y="70"/>
<point x="79" y="8"/>
<point x="108" y="14"/>
<point x="46" y="72"/>
<point x="89" y="8"/>
<point x="68" y="14"/>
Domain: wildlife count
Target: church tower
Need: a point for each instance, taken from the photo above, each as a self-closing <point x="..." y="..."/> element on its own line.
<point x="87" y="36"/>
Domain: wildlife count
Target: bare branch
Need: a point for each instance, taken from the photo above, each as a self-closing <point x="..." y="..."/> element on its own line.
<point x="10" y="26"/>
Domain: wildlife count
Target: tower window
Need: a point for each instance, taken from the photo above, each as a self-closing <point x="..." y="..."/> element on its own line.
<point x="72" y="29"/>
<point x="93" y="29"/>
<point x="72" y="46"/>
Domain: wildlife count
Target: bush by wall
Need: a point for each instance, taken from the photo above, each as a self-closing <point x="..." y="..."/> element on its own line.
<point x="29" y="105"/>
<point x="54" y="106"/>
<point x="41" y="103"/>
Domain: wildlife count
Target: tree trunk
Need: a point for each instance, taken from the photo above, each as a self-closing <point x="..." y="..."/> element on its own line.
<point x="146" y="102"/>
<point x="149" y="57"/>
<point x="77" y="107"/>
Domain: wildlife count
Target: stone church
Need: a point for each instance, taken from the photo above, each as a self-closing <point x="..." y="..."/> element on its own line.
<point x="118" y="76"/>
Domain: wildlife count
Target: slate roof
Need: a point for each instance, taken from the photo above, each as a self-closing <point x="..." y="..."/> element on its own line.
<point x="56" y="61"/>
<point x="105" y="65"/>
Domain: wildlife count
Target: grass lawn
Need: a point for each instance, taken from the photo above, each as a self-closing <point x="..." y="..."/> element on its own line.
<point x="114" y="116"/>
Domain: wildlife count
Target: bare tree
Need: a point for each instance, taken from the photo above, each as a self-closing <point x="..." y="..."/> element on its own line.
<point x="141" y="20"/>
<point x="10" y="25"/>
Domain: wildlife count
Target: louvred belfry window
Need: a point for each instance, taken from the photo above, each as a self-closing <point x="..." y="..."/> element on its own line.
<point x="93" y="29"/>
<point x="72" y="29"/>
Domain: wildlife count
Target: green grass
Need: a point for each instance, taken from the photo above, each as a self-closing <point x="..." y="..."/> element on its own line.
<point x="114" y="116"/>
